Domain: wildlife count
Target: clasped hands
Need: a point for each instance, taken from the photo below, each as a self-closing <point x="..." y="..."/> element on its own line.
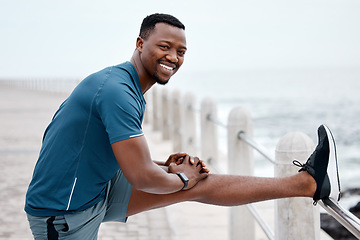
<point x="194" y="168"/>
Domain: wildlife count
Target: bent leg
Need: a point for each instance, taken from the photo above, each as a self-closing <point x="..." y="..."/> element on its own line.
<point x="227" y="190"/>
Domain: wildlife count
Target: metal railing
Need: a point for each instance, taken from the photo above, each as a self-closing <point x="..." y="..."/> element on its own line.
<point x="343" y="216"/>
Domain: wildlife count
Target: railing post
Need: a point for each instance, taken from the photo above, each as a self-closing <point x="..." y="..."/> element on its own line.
<point x="147" y="112"/>
<point x="209" y="136"/>
<point x="156" y="109"/>
<point x="293" y="215"/>
<point x="177" y="135"/>
<point x="189" y="126"/>
<point x="240" y="162"/>
<point x="165" y="116"/>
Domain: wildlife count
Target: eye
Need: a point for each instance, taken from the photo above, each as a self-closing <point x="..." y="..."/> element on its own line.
<point x="181" y="52"/>
<point x="164" y="47"/>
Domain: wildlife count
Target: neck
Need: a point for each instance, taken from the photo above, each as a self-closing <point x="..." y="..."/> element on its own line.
<point x="146" y="81"/>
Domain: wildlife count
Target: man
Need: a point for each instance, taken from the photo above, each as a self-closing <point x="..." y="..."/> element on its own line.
<point x="95" y="165"/>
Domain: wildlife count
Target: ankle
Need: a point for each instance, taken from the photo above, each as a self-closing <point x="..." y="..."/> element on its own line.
<point x="308" y="183"/>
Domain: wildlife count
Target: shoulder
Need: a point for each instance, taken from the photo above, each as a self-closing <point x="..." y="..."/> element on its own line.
<point x="122" y="84"/>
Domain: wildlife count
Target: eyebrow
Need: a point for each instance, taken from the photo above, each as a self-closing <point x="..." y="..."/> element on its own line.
<point x="170" y="43"/>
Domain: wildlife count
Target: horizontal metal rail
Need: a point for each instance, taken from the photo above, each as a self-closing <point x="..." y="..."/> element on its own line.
<point x="216" y="121"/>
<point x="256" y="146"/>
<point x="343" y="216"/>
<point x="259" y="148"/>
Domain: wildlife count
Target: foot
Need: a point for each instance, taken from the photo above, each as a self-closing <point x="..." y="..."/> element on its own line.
<point x="322" y="166"/>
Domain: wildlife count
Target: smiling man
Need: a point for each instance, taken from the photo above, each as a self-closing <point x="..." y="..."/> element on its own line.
<point x="160" y="54"/>
<point x="95" y="165"/>
<point x="94" y="154"/>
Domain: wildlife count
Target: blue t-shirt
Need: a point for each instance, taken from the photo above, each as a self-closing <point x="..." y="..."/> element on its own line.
<point x="76" y="160"/>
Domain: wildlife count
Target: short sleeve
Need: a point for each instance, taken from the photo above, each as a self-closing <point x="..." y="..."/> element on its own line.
<point x="120" y="110"/>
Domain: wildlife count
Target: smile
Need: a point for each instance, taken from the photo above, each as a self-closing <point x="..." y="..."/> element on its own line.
<point x="166" y="67"/>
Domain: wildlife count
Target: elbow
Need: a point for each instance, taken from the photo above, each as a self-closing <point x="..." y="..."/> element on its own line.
<point x="139" y="186"/>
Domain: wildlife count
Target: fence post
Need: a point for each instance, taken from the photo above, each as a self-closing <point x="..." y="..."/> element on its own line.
<point x="165" y="115"/>
<point x="240" y="162"/>
<point x="293" y="215"/>
<point x="177" y="135"/>
<point x="156" y="109"/>
<point x="209" y="136"/>
<point x="147" y="112"/>
<point x="189" y="126"/>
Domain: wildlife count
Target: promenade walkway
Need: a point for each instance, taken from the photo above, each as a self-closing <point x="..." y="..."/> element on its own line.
<point x="24" y="115"/>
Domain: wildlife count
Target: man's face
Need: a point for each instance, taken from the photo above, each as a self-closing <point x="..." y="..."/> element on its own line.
<point x="163" y="52"/>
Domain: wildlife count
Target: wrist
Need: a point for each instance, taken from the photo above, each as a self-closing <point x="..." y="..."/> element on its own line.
<point x="184" y="179"/>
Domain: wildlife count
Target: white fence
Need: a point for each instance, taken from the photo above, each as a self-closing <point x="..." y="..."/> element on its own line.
<point x="180" y="115"/>
<point x="44" y="84"/>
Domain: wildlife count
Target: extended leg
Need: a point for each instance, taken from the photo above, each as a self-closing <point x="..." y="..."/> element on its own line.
<point x="318" y="179"/>
<point x="228" y="190"/>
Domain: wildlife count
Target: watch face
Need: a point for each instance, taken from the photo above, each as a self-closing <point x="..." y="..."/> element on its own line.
<point x="184" y="177"/>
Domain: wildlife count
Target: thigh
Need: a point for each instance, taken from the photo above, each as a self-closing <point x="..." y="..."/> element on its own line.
<point x="117" y="198"/>
<point x="123" y="200"/>
<point x="57" y="228"/>
<point x="42" y="227"/>
<point x="83" y="225"/>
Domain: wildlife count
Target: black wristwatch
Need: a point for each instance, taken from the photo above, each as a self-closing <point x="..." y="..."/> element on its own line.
<point x="184" y="179"/>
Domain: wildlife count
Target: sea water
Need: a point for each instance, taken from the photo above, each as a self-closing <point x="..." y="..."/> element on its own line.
<point x="282" y="101"/>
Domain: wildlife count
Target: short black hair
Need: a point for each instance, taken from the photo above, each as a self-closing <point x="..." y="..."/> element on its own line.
<point x="150" y="21"/>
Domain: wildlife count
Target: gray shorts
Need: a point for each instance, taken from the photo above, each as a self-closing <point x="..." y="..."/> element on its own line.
<point x="85" y="224"/>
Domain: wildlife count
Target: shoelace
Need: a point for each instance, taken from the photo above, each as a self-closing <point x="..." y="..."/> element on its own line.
<point x="300" y="165"/>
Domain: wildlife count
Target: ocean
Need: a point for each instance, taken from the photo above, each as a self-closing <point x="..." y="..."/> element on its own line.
<point x="282" y="101"/>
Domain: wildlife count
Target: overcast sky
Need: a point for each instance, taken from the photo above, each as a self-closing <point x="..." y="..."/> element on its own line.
<point x="73" y="38"/>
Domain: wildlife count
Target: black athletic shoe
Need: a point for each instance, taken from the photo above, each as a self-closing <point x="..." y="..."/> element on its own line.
<point x="322" y="166"/>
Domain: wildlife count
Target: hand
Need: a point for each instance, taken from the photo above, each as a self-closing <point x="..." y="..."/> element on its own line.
<point x="178" y="159"/>
<point x="193" y="169"/>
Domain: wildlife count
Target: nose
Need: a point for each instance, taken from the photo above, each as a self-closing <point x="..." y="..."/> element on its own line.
<point x="172" y="56"/>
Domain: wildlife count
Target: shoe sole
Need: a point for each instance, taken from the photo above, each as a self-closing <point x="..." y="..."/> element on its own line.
<point x="332" y="169"/>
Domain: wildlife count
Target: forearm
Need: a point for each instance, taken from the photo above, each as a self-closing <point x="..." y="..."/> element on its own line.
<point x="158" y="181"/>
<point x="144" y="174"/>
<point x="134" y="159"/>
<point x="162" y="165"/>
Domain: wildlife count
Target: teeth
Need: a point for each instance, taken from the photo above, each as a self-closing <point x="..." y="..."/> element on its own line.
<point x="166" y="67"/>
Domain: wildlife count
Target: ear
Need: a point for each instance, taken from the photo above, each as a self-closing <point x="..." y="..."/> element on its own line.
<point x="139" y="43"/>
